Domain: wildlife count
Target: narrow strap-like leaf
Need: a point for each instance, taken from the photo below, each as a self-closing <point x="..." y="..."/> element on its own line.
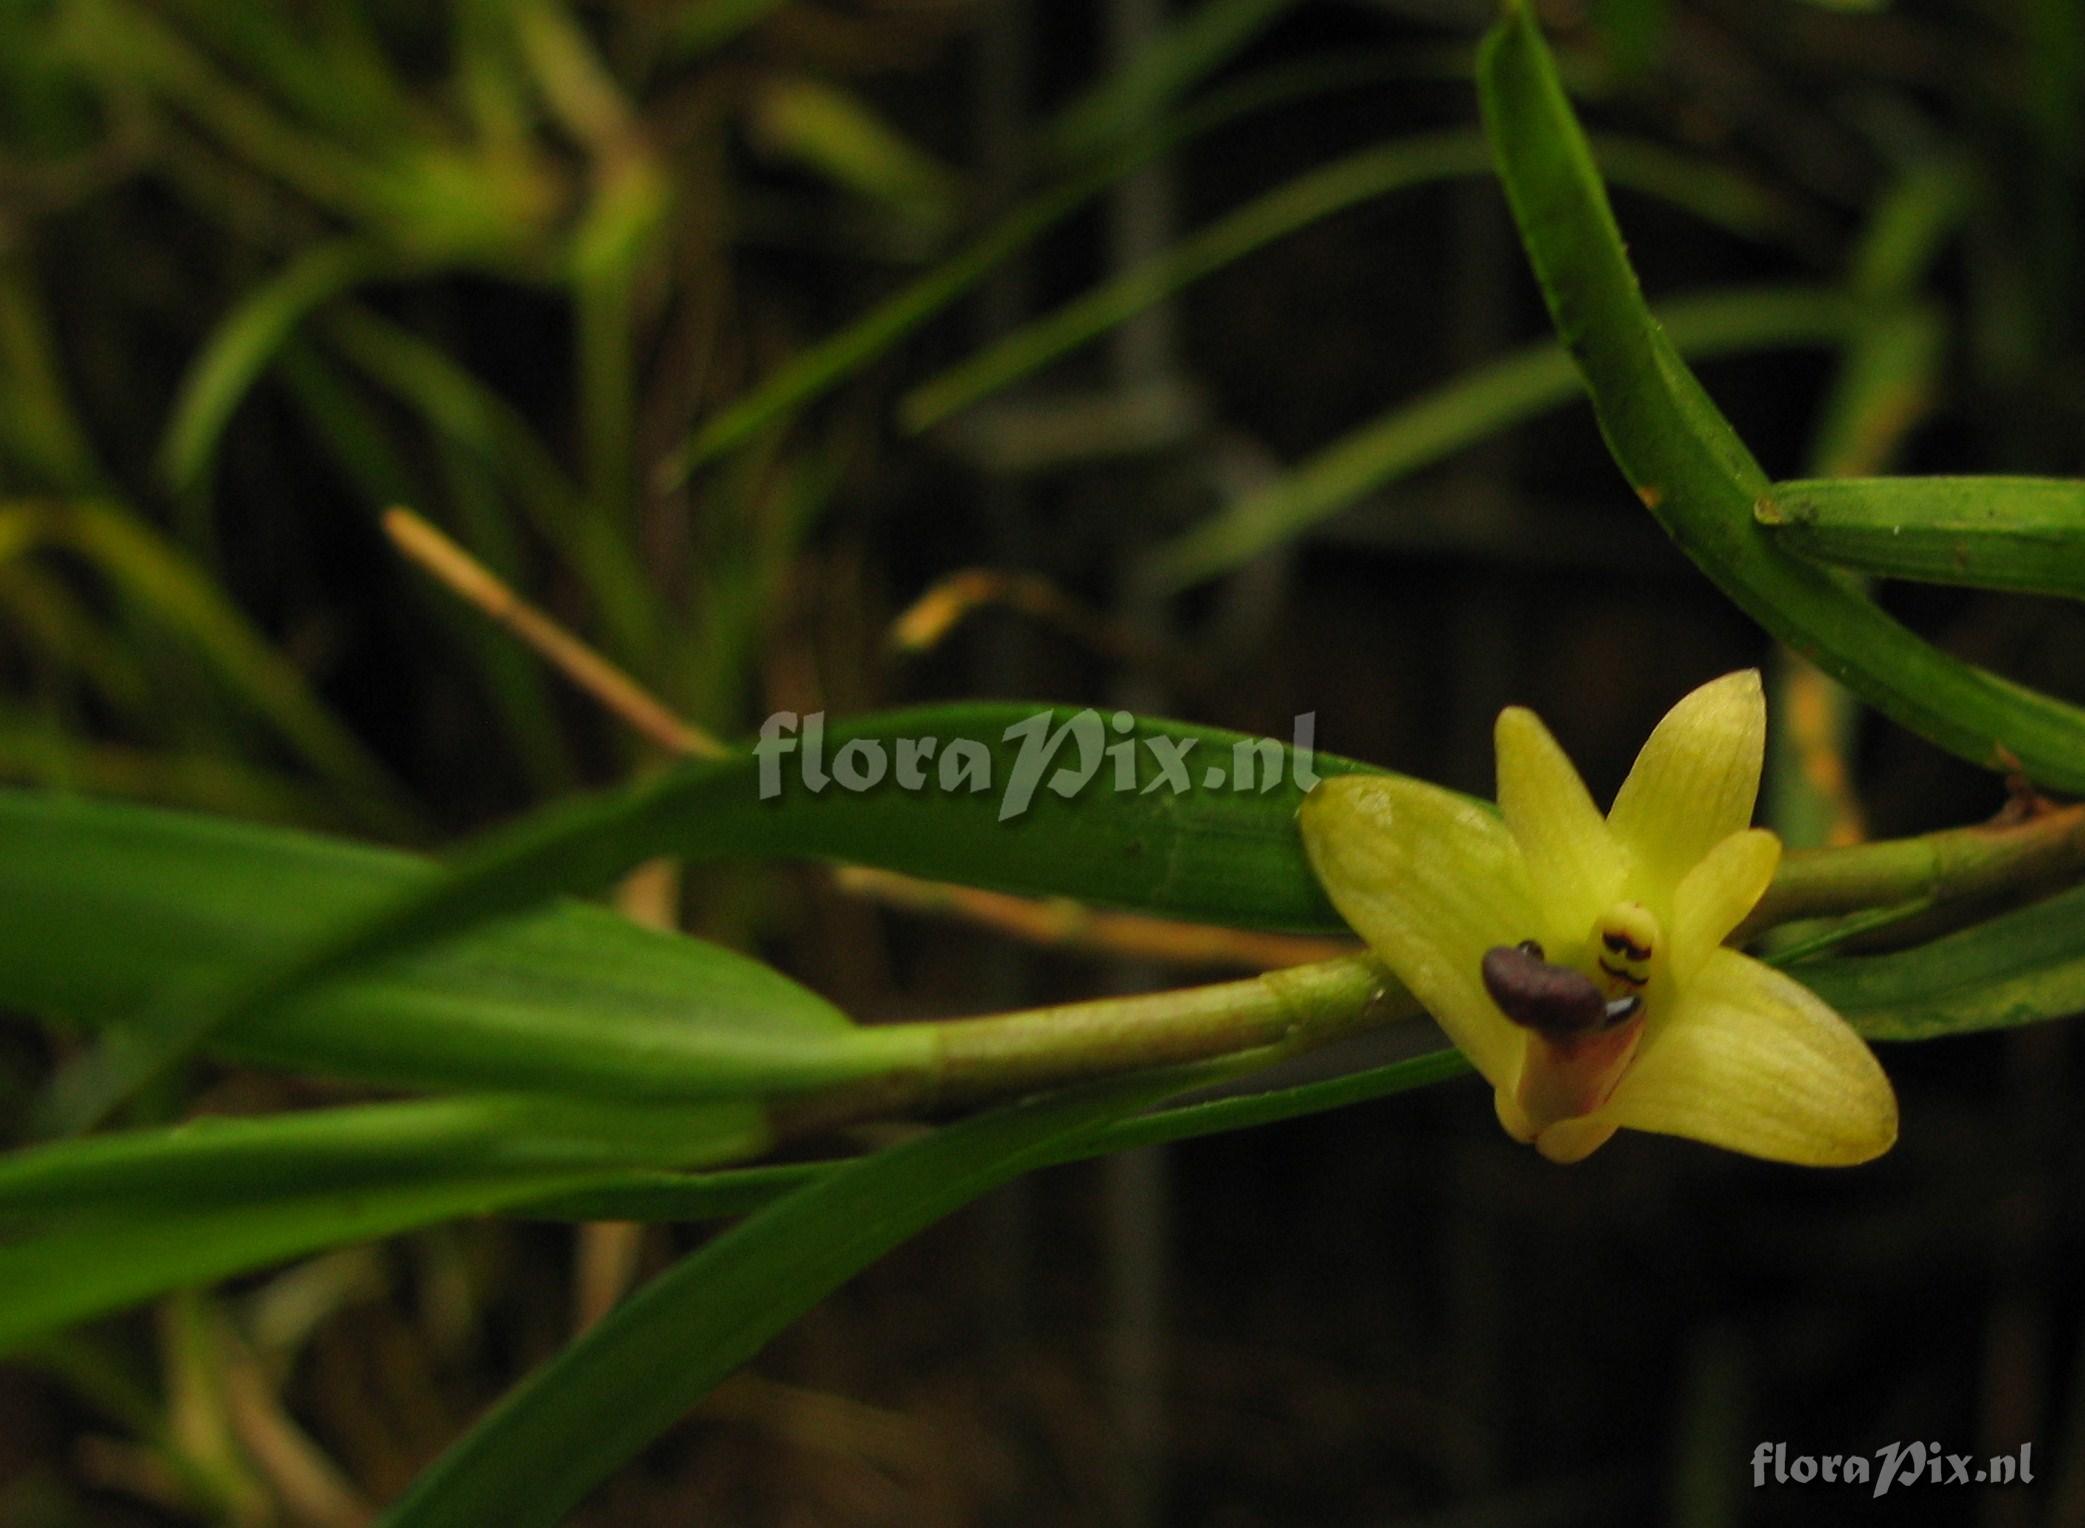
<point x="1689" y="467"/>
<point x="2022" y="534"/>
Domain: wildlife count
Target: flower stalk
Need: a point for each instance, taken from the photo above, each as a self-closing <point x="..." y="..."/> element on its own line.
<point x="1280" y="1013"/>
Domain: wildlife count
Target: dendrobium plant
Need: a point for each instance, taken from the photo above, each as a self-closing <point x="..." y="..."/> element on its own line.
<point x="1578" y="961"/>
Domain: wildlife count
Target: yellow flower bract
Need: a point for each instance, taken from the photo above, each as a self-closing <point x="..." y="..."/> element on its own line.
<point x="1722" y="1049"/>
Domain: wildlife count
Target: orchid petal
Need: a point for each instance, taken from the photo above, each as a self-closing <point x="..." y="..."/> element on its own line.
<point x="1717" y="893"/>
<point x="1753" y="1061"/>
<point x="1574" y="865"/>
<point x="1512" y="1118"/>
<point x="1695" y="782"/>
<point x="1431" y="880"/>
<point x="1573" y="1140"/>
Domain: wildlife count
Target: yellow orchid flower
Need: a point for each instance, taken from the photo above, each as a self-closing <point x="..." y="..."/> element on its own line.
<point x="1578" y="961"/>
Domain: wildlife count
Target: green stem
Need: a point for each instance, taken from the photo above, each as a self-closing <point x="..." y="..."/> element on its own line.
<point x="1294" y="1008"/>
<point x="1947" y="866"/>
<point x="976" y="1060"/>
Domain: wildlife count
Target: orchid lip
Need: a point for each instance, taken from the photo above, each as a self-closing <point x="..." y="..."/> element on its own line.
<point x="1550" y="999"/>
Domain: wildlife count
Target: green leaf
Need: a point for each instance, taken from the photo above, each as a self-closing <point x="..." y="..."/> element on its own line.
<point x="1887" y="378"/>
<point x="113" y="906"/>
<point x="156" y="577"/>
<point x="1162" y="69"/>
<point x="223" y="1161"/>
<point x="1296" y="204"/>
<point x="1209" y="852"/>
<point x="571" y="1424"/>
<point x="1689" y="467"/>
<point x="735" y="1191"/>
<point x="2022" y="967"/>
<point x="1477" y="404"/>
<point x="97" y="1224"/>
<point x="835" y="134"/>
<point x="840" y="355"/>
<point x="36" y="749"/>
<point x="246" y="340"/>
<point x="2023" y="534"/>
<point x="703" y="27"/>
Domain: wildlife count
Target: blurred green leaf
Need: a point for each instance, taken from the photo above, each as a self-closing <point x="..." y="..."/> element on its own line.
<point x="833" y="133"/>
<point x="1888" y="378"/>
<point x="695" y="27"/>
<point x="1163" y="69"/>
<point x="319" y="61"/>
<point x="1475" y="405"/>
<point x="1923" y="211"/>
<point x="140" y="45"/>
<point x="96" y="1224"/>
<point x="561" y="1432"/>
<point x="247" y="340"/>
<point x="39" y="750"/>
<point x="113" y="906"/>
<point x="1631" y="32"/>
<point x="44" y="448"/>
<point x="1689" y="467"/>
<point x="735" y="1191"/>
<point x="155" y="576"/>
<point x="1717" y="195"/>
<point x="838" y="356"/>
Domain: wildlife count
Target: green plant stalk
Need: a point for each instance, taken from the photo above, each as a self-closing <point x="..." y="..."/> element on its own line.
<point x="2021" y="534"/>
<point x="974" y="1061"/>
<point x="1689" y="467"/>
<point x="978" y="1060"/>
<point x="2021" y="970"/>
<point x="1948" y="866"/>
